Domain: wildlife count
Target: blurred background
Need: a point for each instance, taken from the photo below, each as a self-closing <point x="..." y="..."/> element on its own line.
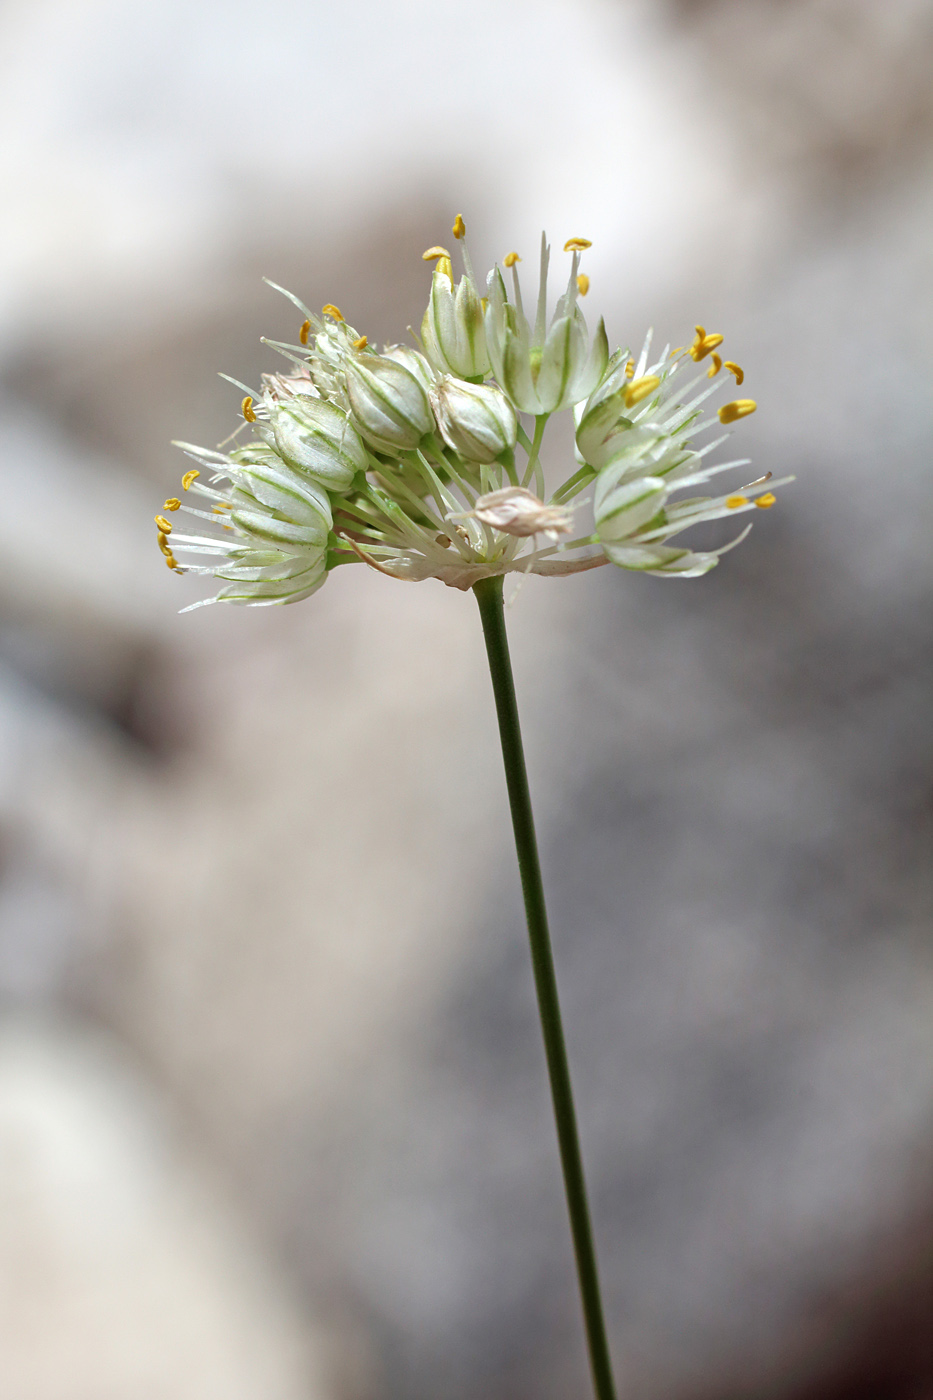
<point x="274" y="1122"/>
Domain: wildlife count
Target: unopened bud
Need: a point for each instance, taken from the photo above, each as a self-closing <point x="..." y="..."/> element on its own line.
<point x="388" y="403"/>
<point x="476" y="420"/>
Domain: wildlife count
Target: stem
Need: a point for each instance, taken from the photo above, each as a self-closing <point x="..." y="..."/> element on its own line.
<point x="532" y="467"/>
<point x="489" y="597"/>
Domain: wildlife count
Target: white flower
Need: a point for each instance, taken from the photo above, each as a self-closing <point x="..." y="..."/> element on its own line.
<point x="476" y="420"/>
<point x="309" y="433"/>
<point x="388" y="403"/>
<point x="452" y="328"/>
<point x="409" y="460"/>
<point x="543" y="368"/>
<point x="276" y="526"/>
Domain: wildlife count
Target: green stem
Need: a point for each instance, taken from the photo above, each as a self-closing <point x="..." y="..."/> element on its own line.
<point x="489" y="596"/>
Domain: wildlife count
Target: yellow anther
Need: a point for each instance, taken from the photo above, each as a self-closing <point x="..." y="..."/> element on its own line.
<point x="188" y="478"/>
<point x="459" y="228"/>
<point x="583" y="284"/>
<point x="768" y="499"/>
<point x="172" y="562"/>
<point x="737" y="370"/>
<point x="361" y="344"/>
<point x="334" y="312"/>
<point x="738" y="408"/>
<point x="704" y="344"/>
<point x="733" y="502"/>
<point x="443" y="266"/>
<point x="484" y="302"/>
<point x="162" y="542"/>
<point x="640" y="389"/>
<point x="629" y="368"/>
<point x="511" y="259"/>
<point x="246" y="408"/>
<point x="577" y="245"/>
<point x="164" y="525"/>
<point x="715" y="367"/>
<point x="430" y="254"/>
<point x="303" y="333"/>
<point x="173" y="503"/>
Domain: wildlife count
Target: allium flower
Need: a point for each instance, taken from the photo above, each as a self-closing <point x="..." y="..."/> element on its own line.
<point x="407" y="460"/>
<point x="548" y="366"/>
<point x="475" y="420"/>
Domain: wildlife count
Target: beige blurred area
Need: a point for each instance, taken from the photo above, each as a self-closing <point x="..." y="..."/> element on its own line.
<point x="273" y="1115"/>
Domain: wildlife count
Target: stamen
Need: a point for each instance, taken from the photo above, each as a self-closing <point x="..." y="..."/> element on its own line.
<point x="737" y="370"/>
<point x="444" y="266"/>
<point x="577" y="245"/>
<point x="733" y="502"/>
<point x="511" y="259"/>
<point x="767" y="500"/>
<point x="715" y="367"/>
<point x="429" y="255"/>
<point x="188" y="478"/>
<point x="738" y="408"/>
<point x="329" y="309"/>
<point x="172" y="562"/>
<point x="760" y="481"/>
<point x="459" y="228"/>
<point x="443" y="541"/>
<point x="361" y="344"/>
<point x="303" y="333"/>
<point x="173" y="503"/>
<point x="246" y="408"/>
<point x="704" y="344"/>
<point x="583" y="284"/>
<point x="640" y="389"/>
<point x="162" y="542"/>
<point x="164" y="525"/>
<point x="629" y="368"/>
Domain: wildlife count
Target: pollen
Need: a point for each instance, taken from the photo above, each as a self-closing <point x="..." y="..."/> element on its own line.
<point x="172" y="563"/>
<point x="459" y="228"/>
<point x="715" y="367"/>
<point x="164" y="525"/>
<point x="162" y="542"/>
<point x="629" y="368"/>
<point x="640" y="389"/>
<point x="577" y="245"/>
<point x="246" y="408"/>
<point x="188" y="478"/>
<point x="583" y="284"/>
<point x="430" y="254"/>
<point x="766" y="501"/>
<point x="737" y="370"/>
<point x="303" y="333"/>
<point x="704" y="344"/>
<point x="334" y="312"/>
<point x="733" y="502"/>
<point x="362" y="343"/>
<point x="173" y="503"/>
<point x="738" y="408"/>
<point x="511" y="259"/>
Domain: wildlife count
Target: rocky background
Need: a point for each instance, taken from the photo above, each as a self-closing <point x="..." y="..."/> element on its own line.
<point x="273" y="1115"/>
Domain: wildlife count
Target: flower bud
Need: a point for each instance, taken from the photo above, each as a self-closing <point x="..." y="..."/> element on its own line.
<point x="476" y="420"/>
<point x="452" y="329"/>
<point x="314" y="437"/>
<point x="388" y="403"/>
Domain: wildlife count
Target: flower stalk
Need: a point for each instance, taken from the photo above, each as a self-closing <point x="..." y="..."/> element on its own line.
<point x="489" y="596"/>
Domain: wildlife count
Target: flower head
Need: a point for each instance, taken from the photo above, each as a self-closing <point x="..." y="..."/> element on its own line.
<point x="407" y="459"/>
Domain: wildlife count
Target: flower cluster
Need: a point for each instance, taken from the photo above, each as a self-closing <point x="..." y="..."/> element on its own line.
<point x="425" y="462"/>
